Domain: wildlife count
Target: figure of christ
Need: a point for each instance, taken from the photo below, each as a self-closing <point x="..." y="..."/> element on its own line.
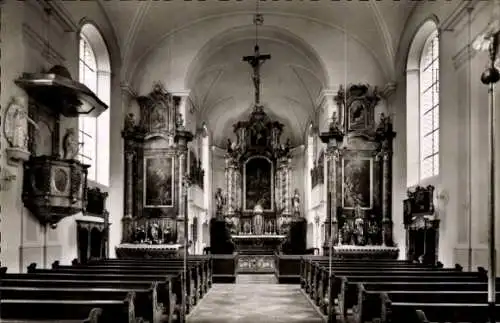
<point x="256" y="62"/>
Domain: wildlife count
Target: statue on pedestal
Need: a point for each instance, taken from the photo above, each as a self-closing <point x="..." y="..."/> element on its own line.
<point x="296" y="203"/>
<point x="219" y="202"/>
<point x="258" y="220"/>
<point x="70" y="144"/>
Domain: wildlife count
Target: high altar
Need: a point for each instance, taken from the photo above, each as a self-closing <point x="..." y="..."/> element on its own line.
<point x="259" y="207"/>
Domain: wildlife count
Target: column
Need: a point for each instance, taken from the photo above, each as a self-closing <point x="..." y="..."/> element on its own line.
<point x="205" y="164"/>
<point x="182" y="138"/>
<point x="333" y="138"/>
<point x="129" y="196"/>
<point x="387" y="199"/>
<point x="129" y="180"/>
<point x="181" y="158"/>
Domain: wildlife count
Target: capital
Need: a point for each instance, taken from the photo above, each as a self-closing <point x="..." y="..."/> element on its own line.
<point x="324" y="95"/>
<point x="388" y="90"/>
<point x="128" y="90"/>
<point x="184" y="93"/>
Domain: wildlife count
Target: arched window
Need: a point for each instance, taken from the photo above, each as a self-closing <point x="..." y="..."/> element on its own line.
<point x="429" y="108"/>
<point x="422" y="104"/>
<point x="94" y="72"/>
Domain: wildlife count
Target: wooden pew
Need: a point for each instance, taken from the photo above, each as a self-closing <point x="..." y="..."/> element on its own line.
<point x="316" y="283"/>
<point x="165" y="303"/>
<point x="438" y="305"/>
<point x="369" y="306"/>
<point x="91" y="311"/>
<point x="201" y="269"/>
<point x="169" y="285"/>
<point x="346" y="294"/>
<point x="206" y="261"/>
<point x="309" y="265"/>
<point x="196" y="280"/>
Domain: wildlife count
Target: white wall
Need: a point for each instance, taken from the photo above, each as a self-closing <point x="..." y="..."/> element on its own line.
<point x="461" y="92"/>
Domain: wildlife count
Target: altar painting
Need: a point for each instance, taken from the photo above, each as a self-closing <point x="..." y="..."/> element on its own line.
<point x="357" y="183"/>
<point x="158" y="181"/>
<point x="258" y="183"/>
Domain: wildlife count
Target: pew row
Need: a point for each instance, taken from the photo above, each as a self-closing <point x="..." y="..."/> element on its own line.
<point x="400" y="277"/>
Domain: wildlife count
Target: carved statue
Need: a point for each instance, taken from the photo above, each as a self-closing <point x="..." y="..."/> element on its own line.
<point x="296" y="202"/>
<point x="154" y="233"/>
<point x="219" y="200"/>
<point x="70" y="144"/>
<point x="16" y="124"/>
<point x="359" y="232"/>
<point x="179" y="121"/>
<point x="129" y="122"/>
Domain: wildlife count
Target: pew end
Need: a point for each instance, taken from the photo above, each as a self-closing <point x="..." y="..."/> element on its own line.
<point x="458" y="267"/>
<point x="385" y="308"/>
<point x="94" y="316"/>
<point x="31" y="268"/>
<point x="439" y="264"/>
<point x="421" y="316"/>
<point x="483" y="273"/>
<point x="55" y="264"/>
<point x="3" y="271"/>
<point x="74" y="262"/>
<point x="130" y="303"/>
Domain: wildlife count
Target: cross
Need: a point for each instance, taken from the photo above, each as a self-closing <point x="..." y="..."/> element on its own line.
<point x="256" y="62"/>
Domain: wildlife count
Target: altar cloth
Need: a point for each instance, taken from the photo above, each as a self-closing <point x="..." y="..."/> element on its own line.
<point x="148" y="251"/>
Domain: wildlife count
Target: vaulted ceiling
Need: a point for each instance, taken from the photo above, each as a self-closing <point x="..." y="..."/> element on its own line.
<point x="220" y="84"/>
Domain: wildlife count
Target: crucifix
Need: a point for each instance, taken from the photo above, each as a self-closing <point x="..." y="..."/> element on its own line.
<point x="256" y="62"/>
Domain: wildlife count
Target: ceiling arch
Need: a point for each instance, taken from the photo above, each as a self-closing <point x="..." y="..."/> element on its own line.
<point x="222" y="90"/>
<point x="273" y="33"/>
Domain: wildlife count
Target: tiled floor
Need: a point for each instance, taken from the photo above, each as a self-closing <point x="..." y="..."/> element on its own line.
<point x="254" y="303"/>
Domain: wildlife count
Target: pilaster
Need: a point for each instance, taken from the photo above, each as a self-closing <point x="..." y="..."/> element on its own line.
<point x="326" y="104"/>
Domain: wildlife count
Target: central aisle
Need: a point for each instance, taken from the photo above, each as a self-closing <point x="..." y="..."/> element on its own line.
<point x="254" y="303"/>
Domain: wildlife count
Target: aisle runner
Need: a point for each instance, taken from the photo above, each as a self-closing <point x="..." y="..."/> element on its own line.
<point x="254" y="303"/>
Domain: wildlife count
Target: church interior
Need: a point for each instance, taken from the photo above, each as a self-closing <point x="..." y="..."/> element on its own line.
<point x="275" y="161"/>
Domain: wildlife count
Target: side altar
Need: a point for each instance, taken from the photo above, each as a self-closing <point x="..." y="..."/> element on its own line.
<point x="155" y="163"/>
<point x="359" y="177"/>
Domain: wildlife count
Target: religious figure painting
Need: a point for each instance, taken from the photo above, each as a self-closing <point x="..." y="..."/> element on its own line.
<point x="258" y="183"/>
<point x="158" y="181"/>
<point x="357" y="115"/>
<point x="357" y="183"/>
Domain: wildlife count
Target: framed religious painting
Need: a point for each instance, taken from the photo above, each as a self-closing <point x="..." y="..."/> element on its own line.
<point x="158" y="181"/>
<point x="258" y="183"/>
<point x="357" y="183"/>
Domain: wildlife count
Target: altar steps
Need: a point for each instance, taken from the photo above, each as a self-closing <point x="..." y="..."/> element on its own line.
<point x="255" y="279"/>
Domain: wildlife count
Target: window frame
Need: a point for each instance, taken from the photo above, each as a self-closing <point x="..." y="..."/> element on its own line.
<point x="429" y="64"/>
<point x="94" y="133"/>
